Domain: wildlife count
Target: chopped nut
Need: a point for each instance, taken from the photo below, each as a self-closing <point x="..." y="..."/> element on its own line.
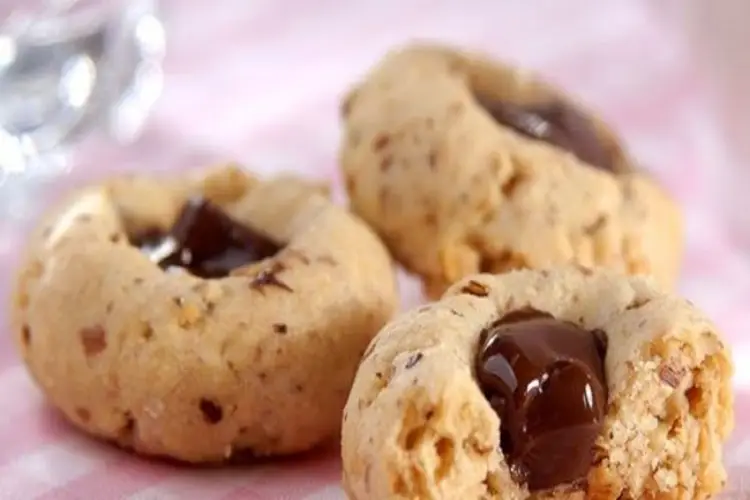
<point x="93" y="339"/>
<point x="413" y="360"/>
<point x="670" y="374"/>
<point x="212" y="412"/>
<point x="26" y="334"/>
<point x="268" y="277"/>
<point x="189" y="314"/>
<point x="83" y="414"/>
<point x="596" y="225"/>
<point x="476" y="288"/>
<point x="512" y="183"/>
<point x="381" y="141"/>
<point x="637" y="303"/>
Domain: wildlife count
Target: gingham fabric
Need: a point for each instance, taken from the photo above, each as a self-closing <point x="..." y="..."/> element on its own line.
<point x="259" y="81"/>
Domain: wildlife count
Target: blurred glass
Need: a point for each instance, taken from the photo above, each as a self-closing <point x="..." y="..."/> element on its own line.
<point x="70" y="69"/>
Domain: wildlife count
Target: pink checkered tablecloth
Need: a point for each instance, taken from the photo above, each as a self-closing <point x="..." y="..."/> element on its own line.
<point x="259" y="81"/>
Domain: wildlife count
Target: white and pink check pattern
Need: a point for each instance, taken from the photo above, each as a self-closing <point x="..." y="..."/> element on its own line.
<point x="259" y="81"/>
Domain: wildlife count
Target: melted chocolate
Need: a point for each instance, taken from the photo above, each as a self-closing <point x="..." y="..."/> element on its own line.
<point x="545" y="380"/>
<point x="206" y="242"/>
<point x="555" y="123"/>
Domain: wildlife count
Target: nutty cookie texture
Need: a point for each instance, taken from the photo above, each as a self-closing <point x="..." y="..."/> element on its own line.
<point x="465" y="165"/>
<point x="204" y="315"/>
<point x="565" y="384"/>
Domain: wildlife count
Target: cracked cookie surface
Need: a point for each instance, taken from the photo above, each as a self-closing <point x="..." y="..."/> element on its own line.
<point x="148" y="352"/>
<point x="418" y="424"/>
<point x="465" y="165"/>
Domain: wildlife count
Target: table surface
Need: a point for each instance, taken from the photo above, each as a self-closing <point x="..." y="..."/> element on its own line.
<point x="260" y="82"/>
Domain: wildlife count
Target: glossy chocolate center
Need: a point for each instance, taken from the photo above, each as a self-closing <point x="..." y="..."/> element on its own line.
<point x="555" y="123"/>
<point x="206" y="241"/>
<point x="545" y="380"/>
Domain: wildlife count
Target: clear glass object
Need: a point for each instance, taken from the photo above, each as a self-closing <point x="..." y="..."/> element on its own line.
<point x="70" y="69"/>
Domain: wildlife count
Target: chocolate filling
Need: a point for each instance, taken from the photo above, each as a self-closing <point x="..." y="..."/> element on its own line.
<point x="206" y="241"/>
<point x="556" y="123"/>
<point x="545" y="379"/>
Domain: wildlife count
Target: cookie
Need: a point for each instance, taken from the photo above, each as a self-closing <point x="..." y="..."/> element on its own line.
<point x="566" y="383"/>
<point x="466" y="165"/>
<point x="202" y="316"/>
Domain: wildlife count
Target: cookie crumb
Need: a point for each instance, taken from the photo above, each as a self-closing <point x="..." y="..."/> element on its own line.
<point x="212" y="412"/>
<point x="413" y="360"/>
<point x="476" y="288"/>
<point x="93" y="339"/>
<point x="280" y="328"/>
